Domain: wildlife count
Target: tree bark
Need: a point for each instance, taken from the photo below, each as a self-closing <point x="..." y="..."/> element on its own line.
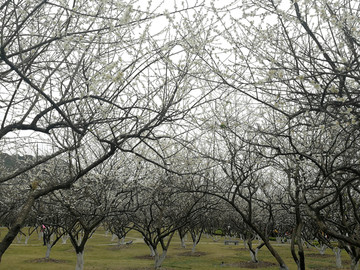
<point x="15" y="228"/>
<point x="183" y="244"/>
<point x="195" y="241"/>
<point x="183" y="236"/>
<point x="159" y="258"/>
<point x="337" y="252"/>
<point x="79" y="261"/>
<point x="282" y="265"/>
<point x="64" y="239"/>
<point x="114" y="236"/>
<point x="322" y="249"/>
<point x="152" y="251"/>
<point x="196" y="236"/>
<point x="121" y="241"/>
<point x="18" y="238"/>
<point x="253" y="253"/>
<point x="48" y="250"/>
<point x="27" y="239"/>
<point x="273" y="252"/>
<point x="354" y="263"/>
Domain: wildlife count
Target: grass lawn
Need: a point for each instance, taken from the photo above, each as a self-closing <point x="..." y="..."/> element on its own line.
<point x="103" y="254"/>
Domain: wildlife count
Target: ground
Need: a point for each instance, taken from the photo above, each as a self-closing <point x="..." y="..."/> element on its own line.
<point x="103" y="254"/>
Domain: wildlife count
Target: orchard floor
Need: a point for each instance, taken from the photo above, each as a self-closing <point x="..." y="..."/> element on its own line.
<point x="103" y="254"/>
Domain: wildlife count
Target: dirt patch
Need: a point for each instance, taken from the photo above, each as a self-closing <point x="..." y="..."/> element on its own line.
<point x="145" y="257"/>
<point x="72" y="250"/>
<point x="318" y="255"/>
<point x="251" y="265"/>
<point x="195" y="254"/>
<point x="118" y="247"/>
<point x="44" y="260"/>
<point x="322" y="267"/>
<point x="148" y="257"/>
<point x="146" y="268"/>
<point x="179" y="248"/>
<point x="242" y="249"/>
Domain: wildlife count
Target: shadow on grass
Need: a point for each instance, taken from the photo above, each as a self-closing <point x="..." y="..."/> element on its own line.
<point x="116" y="247"/>
<point x="250" y="265"/>
<point x="195" y="254"/>
<point x="44" y="260"/>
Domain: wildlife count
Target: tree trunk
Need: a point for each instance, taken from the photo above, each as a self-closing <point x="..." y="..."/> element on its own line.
<point x="195" y="236"/>
<point x="152" y="251"/>
<point x="337" y="252"/>
<point x="282" y="265"/>
<point x="193" y="248"/>
<point x="253" y="254"/>
<point x="183" y="245"/>
<point x="121" y="241"/>
<point x="113" y="237"/>
<point x="301" y="256"/>
<point x="296" y="239"/>
<point x="159" y="258"/>
<point x="195" y="241"/>
<point x="259" y="239"/>
<point x="354" y="263"/>
<point x="64" y="238"/>
<point x="18" y="238"/>
<point x="79" y="261"/>
<point x="48" y="250"/>
<point x="15" y="228"/>
<point x="215" y="239"/>
<point x="27" y="239"/>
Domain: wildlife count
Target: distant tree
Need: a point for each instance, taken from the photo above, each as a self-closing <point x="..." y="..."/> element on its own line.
<point x="183" y="235"/>
<point x="163" y="210"/>
<point x="49" y="215"/>
<point x="86" y="205"/>
<point x="119" y="225"/>
<point x="240" y="173"/>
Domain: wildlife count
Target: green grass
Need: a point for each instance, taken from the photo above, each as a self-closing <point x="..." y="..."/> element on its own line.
<point x="103" y="254"/>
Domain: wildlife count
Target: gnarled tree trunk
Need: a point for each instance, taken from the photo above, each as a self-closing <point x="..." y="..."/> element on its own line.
<point x="159" y="258"/>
